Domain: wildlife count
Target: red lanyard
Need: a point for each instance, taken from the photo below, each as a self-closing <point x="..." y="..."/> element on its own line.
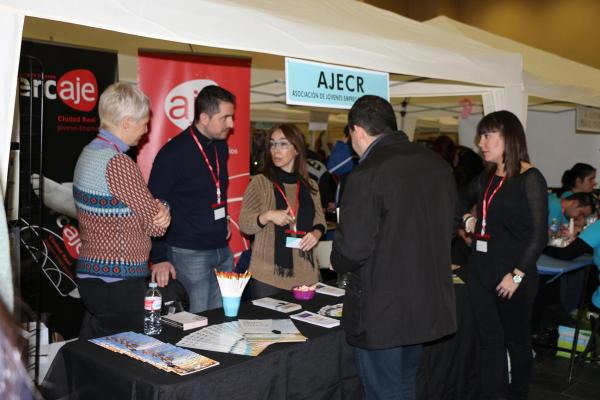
<point x="108" y="141"/>
<point x="292" y="211"/>
<point x="487" y="202"/>
<point x="210" y="168"/>
<point x="562" y="211"/>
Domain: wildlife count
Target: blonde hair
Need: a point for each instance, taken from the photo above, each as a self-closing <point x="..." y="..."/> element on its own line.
<point x="119" y="101"/>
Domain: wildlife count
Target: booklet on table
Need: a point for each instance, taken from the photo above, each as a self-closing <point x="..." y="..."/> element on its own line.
<point x="277" y="305"/>
<point x="316" y="319"/>
<point x="329" y="290"/>
<point x="185" y="320"/>
<point x="271" y="330"/>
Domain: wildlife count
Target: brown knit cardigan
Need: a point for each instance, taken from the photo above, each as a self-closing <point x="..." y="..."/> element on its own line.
<point x="258" y="198"/>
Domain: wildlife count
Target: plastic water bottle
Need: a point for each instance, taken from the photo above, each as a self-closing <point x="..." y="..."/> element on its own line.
<point x="572" y="226"/>
<point x="152" y="307"/>
<point x="554" y="228"/>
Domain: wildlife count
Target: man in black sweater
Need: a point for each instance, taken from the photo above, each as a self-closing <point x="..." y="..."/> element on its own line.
<point x="396" y="224"/>
<point x="190" y="173"/>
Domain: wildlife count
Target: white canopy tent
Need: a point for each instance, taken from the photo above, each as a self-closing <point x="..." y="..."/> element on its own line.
<point x="342" y="32"/>
<point x="493" y="98"/>
<point x="545" y="75"/>
<point x="554" y="144"/>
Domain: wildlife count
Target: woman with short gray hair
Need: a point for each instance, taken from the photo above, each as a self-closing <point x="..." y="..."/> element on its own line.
<point x="117" y="216"/>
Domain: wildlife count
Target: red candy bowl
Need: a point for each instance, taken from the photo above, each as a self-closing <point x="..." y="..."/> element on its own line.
<point x="303" y="292"/>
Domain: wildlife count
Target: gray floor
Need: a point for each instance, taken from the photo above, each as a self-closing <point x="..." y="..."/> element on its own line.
<point x="550" y="381"/>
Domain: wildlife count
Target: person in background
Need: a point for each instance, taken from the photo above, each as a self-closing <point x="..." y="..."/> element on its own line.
<point x="320" y="147"/>
<point x="580" y="178"/>
<point x="399" y="292"/>
<point x="588" y="241"/>
<point x="445" y="147"/>
<point x="318" y="172"/>
<point x="341" y="162"/>
<point x="190" y="173"/>
<point x="466" y="164"/>
<point x="257" y="153"/>
<point x="577" y="206"/>
<point x="117" y="216"/>
<point x="510" y="233"/>
<point x="280" y="204"/>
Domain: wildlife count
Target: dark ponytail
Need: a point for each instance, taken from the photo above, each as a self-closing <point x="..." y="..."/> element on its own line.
<point x="570" y="176"/>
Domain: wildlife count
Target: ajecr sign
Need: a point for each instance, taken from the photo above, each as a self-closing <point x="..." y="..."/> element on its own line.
<point x="314" y="84"/>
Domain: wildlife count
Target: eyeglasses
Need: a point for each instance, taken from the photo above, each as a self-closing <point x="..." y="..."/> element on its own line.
<point x="283" y="145"/>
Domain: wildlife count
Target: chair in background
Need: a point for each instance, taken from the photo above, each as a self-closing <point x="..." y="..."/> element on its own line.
<point x="592" y="346"/>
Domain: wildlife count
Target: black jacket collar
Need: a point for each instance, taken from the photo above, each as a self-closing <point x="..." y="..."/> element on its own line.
<point x="387" y="137"/>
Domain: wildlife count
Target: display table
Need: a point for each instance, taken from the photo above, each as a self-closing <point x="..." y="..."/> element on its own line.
<point x="547" y="265"/>
<point x="320" y="368"/>
<point x="449" y="367"/>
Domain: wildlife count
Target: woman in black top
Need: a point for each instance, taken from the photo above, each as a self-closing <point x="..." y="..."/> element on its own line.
<point x="510" y="233"/>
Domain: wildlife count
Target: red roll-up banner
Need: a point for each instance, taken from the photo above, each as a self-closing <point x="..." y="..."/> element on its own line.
<point x="172" y="82"/>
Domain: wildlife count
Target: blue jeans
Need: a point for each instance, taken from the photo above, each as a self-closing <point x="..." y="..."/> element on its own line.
<point x="389" y="374"/>
<point x="195" y="272"/>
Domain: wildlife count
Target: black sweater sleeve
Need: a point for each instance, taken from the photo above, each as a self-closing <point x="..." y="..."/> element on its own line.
<point x="160" y="183"/>
<point x="535" y="190"/>
<point x="576" y="248"/>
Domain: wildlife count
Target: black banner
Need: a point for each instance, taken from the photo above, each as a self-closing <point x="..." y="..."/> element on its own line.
<point x="59" y="89"/>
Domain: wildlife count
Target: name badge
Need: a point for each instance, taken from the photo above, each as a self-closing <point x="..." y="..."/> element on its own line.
<point x="481" y="246"/>
<point x="219" y="210"/>
<point x="292" y="242"/>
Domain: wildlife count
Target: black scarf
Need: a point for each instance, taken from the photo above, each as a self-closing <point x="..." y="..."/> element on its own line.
<point x="284" y="261"/>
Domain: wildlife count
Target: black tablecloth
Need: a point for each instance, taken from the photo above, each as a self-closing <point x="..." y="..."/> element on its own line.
<point x="321" y="368"/>
<point x="449" y="366"/>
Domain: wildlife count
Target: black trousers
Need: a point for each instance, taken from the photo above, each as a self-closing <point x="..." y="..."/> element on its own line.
<point x="112" y="307"/>
<point x="504" y="325"/>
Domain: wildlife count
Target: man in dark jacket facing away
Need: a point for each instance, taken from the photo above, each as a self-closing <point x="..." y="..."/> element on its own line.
<point x="394" y="235"/>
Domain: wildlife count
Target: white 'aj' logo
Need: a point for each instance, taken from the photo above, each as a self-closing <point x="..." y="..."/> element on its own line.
<point x="179" y="103"/>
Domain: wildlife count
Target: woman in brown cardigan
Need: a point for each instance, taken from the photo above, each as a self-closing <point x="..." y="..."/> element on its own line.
<point x="282" y="209"/>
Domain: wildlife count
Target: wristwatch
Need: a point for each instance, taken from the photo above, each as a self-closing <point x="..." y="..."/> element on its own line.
<point x="517" y="278"/>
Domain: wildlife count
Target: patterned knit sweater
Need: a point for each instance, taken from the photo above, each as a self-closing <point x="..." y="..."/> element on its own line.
<point x="258" y="198"/>
<point x="115" y="212"/>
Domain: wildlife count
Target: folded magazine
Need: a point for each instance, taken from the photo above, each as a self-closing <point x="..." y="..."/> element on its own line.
<point x="161" y="355"/>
